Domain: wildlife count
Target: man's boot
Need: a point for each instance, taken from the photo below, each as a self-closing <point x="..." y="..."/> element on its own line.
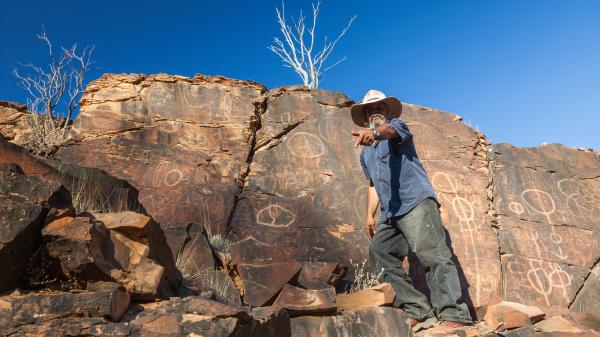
<point x="445" y="328"/>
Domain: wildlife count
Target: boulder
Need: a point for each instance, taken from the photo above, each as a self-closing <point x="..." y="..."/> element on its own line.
<point x="146" y="232"/>
<point x="510" y="315"/>
<point x="380" y="295"/>
<point x="147" y="281"/>
<point x="193" y="305"/>
<point x="298" y="301"/>
<point x="175" y="325"/>
<point x="270" y="322"/>
<point x="380" y="321"/>
<point x="83" y="249"/>
<point x="70" y="326"/>
<point x="13" y="121"/>
<point x="558" y="324"/>
<point x="28" y="309"/>
<point x="88" y="251"/>
<point x="263" y="282"/>
<point x="319" y="275"/>
<point x="20" y="225"/>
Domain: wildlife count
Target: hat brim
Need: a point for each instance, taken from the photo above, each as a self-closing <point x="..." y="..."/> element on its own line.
<point x="358" y="115"/>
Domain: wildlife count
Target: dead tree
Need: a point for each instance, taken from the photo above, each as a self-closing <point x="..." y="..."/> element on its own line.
<point x="297" y="51"/>
<point x="62" y="81"/>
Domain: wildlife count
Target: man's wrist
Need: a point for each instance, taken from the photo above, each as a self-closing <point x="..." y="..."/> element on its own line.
<point x="376" y="133"/>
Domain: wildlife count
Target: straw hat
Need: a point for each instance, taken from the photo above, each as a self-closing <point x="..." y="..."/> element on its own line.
<point x="374" y="96"/>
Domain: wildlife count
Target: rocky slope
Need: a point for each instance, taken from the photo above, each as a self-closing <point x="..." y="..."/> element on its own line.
<point x="276" y="172"/>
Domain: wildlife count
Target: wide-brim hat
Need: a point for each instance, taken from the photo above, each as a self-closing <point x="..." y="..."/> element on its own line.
<point x="373" y="96"/>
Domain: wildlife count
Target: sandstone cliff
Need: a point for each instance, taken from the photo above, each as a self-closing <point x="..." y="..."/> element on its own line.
<point x="278" y="167"/>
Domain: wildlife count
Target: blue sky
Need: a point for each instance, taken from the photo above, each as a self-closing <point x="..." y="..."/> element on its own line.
<point x="523" y="72"/>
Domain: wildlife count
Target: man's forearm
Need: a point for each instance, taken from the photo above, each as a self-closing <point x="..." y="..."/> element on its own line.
<point x="384" y="131"/>
<point x="372" y="201"/>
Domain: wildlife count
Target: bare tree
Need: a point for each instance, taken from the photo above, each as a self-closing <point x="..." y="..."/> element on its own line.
<point x="62" y="81"/>
<point x="298" y="51"/>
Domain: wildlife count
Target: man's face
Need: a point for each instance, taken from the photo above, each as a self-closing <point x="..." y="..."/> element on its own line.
<point x="376" y="114"/>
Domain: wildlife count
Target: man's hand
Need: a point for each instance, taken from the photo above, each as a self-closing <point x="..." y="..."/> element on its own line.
<point x="365" y="137"/>
<point x="370" y="227"/>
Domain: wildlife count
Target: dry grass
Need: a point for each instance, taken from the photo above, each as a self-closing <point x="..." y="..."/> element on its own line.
<point x="223" y="291"/>
<point x="363" y="278"/>
<point x="89" y="197"/>
<point x="187" y="266"/>
<point x="46" y="134"/>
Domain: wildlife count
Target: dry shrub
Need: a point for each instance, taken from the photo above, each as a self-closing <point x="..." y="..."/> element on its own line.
<point x="220" y="243"/>
<point x="363" y="278"/>
<point x="46" y="134"/>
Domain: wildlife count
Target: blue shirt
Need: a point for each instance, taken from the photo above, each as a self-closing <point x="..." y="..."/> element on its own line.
<point x="397" y="173"/>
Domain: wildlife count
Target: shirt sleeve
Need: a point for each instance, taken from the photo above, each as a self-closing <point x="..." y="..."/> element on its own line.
<point x="364" y="165"/>
<point x="401" y="128"/>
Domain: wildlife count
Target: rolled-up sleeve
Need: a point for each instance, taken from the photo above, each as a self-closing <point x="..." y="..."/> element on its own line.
<point x="401" y="128"/>
<point x="364" y="165"/>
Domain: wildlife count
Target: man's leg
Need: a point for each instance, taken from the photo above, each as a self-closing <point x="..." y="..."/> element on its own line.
<point x="424" y="232"/>
<point x="387" y="250"/>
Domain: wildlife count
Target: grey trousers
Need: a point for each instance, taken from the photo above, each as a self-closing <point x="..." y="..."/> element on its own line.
<point x="421" y="232"/>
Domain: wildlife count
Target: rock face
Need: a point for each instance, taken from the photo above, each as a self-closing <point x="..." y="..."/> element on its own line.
<point x="548" y="201"/>
<point x="20" y="225"/>
<point x="276" y="172"/>
<point x="90" y="188"/>
<point x="189" y="143"/>
<point x="183" y="142"/>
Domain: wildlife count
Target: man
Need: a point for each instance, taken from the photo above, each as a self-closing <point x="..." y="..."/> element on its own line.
<point x="410" y="218"/>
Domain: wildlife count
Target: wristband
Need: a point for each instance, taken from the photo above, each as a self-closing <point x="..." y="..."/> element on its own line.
<point x="376" y="134"/>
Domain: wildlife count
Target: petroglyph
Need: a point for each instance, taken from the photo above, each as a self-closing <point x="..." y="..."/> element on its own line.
<point x="582" y="200"/>
<point x="544" y="277"/>
<point x="158" y="95"/>
<point x="469" y="225"/>
<point x="192" y="98"/>
<point x="360" y="197"/>
<point x="516" y="207"/>
<point x="548" y="279"/>
<point x="442" y="182"/>
<point x="164" y="176"/>
<point x="286" y="118"/>
<point x="539" y="201"/>
<point x="173" y="177"/>
<point x="275" y="216"/>
<point x="306" y="145"/>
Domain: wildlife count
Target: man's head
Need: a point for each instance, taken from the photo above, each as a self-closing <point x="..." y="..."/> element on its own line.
<point x="375" y="109"/>
<point x="376" y="113"/>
